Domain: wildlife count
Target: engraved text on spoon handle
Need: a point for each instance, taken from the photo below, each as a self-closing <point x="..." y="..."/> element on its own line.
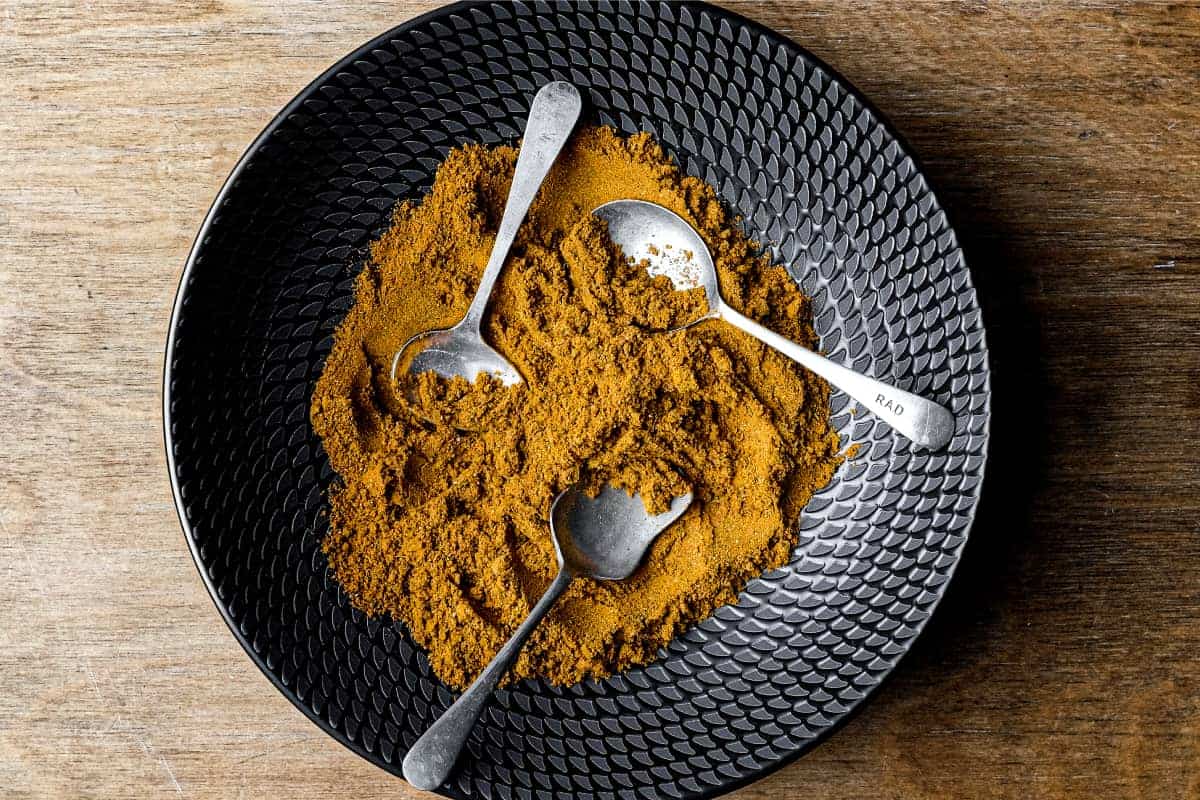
<point x="923" y="421"/>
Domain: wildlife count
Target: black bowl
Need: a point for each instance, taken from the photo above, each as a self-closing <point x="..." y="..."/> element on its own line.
<point x="817" y="174"/>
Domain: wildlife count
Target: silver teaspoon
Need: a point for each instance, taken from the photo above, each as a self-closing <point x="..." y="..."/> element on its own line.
<point x="603" y="538"/>
<point x="642" y="230"/>
<point x="461" y="350"/>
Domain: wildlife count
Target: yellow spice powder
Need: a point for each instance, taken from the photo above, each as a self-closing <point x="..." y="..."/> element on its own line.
<point x="440" y="517"/>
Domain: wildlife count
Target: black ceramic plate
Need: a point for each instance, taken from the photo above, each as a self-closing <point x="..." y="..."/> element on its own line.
<point x="814" y="171"/>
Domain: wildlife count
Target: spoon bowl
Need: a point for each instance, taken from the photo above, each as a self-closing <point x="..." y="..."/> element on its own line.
<point x="606" y="537"/>
<point x="671" y="246"/>
<point x="653" y="235"/>
<point x="450" y="352"/>
<point x="603" y="537"/>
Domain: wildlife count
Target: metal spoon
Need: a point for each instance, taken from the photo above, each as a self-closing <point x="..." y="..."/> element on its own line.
<point x="461" y="350"/>
<point x="603" y="538"/>
<point x="643" y="230"/>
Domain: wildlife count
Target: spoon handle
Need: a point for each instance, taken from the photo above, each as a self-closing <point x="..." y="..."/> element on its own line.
<point x="923" y="421"/>
<point x="552" y="116"/>
<point x="430" y="760"/>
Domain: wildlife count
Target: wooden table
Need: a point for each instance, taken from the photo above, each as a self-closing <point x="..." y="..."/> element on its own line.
<point x="1064" y="139"/>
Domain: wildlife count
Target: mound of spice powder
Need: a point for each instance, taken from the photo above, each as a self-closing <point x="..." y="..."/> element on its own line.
<point x="440" y="516"/>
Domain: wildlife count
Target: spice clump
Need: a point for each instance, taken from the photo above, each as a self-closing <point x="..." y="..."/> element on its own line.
<point x="440" y="517"/>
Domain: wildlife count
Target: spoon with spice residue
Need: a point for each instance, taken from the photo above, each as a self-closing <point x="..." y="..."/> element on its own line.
<point x="461" y="350"/>
<point x="605" y="538"/>
<point x="670" y="246"/>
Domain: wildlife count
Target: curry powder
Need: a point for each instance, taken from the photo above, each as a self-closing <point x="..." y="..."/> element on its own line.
<point x="443" y="524"/>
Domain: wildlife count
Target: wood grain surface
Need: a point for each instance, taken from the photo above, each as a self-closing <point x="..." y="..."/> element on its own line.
<point x="1064" y="139"/>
